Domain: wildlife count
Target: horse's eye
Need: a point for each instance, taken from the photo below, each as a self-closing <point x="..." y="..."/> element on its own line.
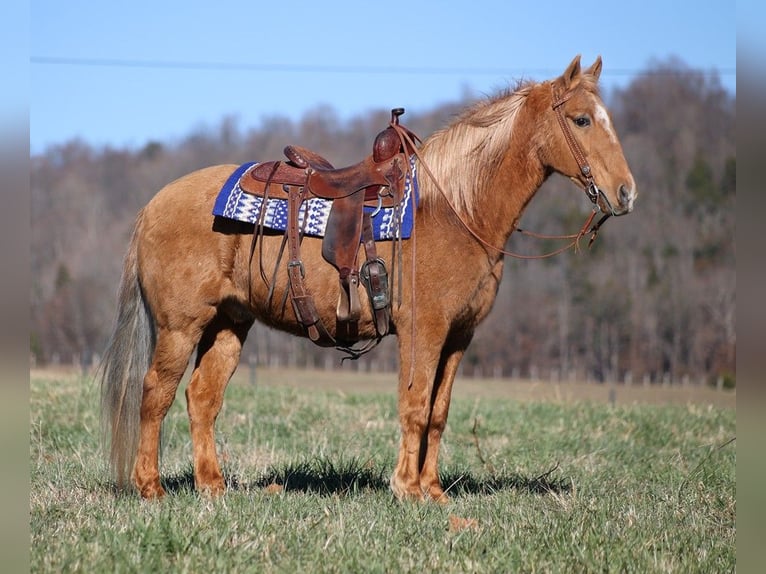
<point x="582" y="121"/>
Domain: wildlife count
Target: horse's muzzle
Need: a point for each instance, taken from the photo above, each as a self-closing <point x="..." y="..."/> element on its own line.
<point x="626" y="196"/>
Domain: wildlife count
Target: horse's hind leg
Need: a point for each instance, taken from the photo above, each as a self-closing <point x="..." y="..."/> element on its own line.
<point x="171" y="357"/>
<point x="217" y="358"/>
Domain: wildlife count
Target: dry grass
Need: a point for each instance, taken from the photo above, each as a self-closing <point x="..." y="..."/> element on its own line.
<point x="345" y="380"/>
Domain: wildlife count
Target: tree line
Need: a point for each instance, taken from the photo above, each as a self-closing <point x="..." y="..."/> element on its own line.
<point x="653" y="300"/>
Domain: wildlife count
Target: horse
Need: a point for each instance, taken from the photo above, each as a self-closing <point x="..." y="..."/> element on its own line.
<point x="190" y="279"/>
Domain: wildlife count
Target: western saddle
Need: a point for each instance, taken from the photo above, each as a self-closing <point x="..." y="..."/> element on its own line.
<point x="377" y="181"/>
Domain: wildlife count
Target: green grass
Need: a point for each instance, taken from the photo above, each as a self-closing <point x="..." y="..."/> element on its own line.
<point x="536" y="487"/>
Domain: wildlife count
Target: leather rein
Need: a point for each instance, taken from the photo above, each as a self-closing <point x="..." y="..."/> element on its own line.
<point x="592" y="190"/>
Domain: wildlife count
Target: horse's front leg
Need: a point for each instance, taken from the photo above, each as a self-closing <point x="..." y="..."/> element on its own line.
<point x="451" y="355"/>
<point x="415" y="394"/>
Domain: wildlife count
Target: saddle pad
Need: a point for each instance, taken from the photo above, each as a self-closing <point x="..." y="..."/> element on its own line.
<point x="233" y="203"/>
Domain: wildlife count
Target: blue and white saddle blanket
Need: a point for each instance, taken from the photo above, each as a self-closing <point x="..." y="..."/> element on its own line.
<point x="234" y="203"/>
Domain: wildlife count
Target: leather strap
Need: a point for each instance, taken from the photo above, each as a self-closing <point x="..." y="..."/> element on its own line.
<point x="592" y="190"/>
<point x="381" y="313"/>
<point x="349" y="308"/>
<point x="574" y="146"/>
<point x="303" y="303"/>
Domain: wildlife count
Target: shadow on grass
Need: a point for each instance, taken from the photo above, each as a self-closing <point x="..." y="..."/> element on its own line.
<point x="178" y="483"/>
<point x="343" y="478"/>
<point x="465" y="484"/>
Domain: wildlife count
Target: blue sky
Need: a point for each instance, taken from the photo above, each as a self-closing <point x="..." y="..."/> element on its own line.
<point x="124" y="73"/>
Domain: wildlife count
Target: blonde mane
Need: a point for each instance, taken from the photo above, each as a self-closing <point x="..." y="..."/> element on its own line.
<point x="464" y="155"/>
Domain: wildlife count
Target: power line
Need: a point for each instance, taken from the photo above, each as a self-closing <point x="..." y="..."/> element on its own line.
<point x="334" y="69"/>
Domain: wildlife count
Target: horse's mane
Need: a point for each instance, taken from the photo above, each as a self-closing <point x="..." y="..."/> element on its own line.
<point x="464" y="155"/>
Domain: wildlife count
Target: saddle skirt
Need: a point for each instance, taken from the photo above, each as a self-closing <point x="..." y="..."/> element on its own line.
<point x="233" y="202"/>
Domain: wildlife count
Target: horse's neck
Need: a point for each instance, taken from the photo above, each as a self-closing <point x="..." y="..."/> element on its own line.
<point x="513" y="186"/>
<point x="501" y="200"/>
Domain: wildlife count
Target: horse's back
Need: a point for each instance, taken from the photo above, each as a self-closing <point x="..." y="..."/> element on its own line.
<point x="189" y="195"/>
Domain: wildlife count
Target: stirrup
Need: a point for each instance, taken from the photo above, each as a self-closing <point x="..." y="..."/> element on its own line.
<point x="379" y="299"/>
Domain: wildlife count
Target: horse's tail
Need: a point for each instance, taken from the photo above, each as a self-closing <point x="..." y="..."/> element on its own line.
<point x="121" y="373"/>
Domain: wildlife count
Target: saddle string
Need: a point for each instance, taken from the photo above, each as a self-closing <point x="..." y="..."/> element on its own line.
<point x="283" y="303"/>
<point x="396" y="248"/>
<point x="407" y="142"/>
<point x="258" y="231"/>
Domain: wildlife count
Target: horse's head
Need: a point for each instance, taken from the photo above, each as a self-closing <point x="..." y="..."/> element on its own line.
<point x="583" y="144"/>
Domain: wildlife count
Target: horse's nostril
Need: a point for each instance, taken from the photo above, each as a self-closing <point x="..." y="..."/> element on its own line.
<point x="625" y="195"/>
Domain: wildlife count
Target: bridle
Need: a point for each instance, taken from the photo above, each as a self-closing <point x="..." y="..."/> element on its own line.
<point x="592" y="190"/>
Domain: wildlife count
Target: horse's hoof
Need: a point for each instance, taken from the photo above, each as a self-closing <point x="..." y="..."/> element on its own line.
<point x="152" y="492"/>
<point x="213" y="490"/>
<point x="435" y="493"/>
<point x="403" y="492"/>
<point x="409" y="496"/>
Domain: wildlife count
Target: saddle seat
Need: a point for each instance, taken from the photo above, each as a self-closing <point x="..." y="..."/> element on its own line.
<point x="384" y="168"/>
<point x="322" y="180"/>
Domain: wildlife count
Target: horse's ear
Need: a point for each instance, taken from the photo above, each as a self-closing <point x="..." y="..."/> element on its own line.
<point x="572" y="71"/>
<point x="595" y="68"/>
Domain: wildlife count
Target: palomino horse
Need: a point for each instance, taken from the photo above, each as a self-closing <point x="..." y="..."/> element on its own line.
<point x="189" y="281"/>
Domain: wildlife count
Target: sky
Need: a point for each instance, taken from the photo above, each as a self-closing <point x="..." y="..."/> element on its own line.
<point x="122" y="74"/>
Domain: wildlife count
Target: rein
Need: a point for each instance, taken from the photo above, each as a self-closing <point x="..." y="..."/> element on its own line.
<point x="407" y="141"/>
<point x="591" y="189"/>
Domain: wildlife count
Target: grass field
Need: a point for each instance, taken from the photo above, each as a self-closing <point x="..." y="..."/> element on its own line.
<point x="542" y="479"/>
